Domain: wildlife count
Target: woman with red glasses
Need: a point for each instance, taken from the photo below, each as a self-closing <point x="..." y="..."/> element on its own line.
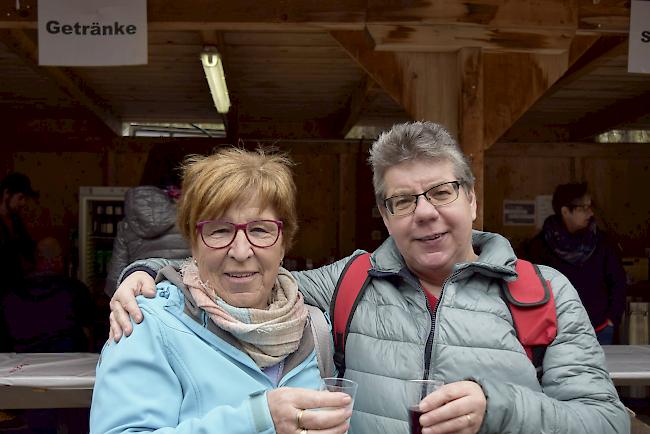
<point x="225" y="347"/>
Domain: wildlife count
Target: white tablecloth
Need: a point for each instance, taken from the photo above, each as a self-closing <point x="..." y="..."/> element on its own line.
<point x="64" y="380"/>
<point x="46" y="380"/>
<point x="628" y="364"/>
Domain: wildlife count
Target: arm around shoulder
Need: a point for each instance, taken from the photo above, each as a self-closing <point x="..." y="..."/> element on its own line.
<point x="151" y="266"/>
<point x="119" y="260"/>
<point x="318" y="285"/>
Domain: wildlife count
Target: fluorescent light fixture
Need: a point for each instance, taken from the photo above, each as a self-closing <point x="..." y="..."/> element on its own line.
<point x="213" y="68"/>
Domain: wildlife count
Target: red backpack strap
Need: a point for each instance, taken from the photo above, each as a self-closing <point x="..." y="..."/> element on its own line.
<point x="532" y="307"/>
<point x="348" y="292"/>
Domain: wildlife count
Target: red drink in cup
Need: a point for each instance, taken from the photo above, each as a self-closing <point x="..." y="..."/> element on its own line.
<point x="417" y="390"/>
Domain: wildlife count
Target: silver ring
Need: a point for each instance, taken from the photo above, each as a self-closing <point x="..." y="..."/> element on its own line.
<point x="299" y="421"/>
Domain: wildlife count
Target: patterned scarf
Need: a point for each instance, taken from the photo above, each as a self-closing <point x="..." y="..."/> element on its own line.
<point x="266" y="335"/>
<point x="573" y="248"/>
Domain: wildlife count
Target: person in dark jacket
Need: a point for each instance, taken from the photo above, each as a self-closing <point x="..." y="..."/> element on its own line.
<point x="571" y="242"/>
<point x="148" y="229"/>
<point x="49" y="311"/>
<point x="16" y="245"/>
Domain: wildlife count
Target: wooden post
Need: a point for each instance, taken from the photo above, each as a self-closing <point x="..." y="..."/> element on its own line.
<point x="471" y="121"/>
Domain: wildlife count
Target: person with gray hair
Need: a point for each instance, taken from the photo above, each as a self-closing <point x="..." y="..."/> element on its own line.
<point x="433" y="309"/>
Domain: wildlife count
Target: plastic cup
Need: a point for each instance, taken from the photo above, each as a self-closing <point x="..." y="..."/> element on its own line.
<point x="417" y="390"/>
<point x="334" y="384"/>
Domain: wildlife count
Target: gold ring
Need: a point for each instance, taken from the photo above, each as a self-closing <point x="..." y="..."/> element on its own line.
<point x="469" y="418"/>
<point x="299" y="421"/>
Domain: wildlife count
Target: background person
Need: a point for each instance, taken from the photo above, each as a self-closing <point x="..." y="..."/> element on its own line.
<point x="147" y="230"/>
<point x="16" y="245"/>
<point x="226" y="346"/>
<point x="571" y="242"/>
<point x="433" y="309"/>
<point x="49" y="312"/>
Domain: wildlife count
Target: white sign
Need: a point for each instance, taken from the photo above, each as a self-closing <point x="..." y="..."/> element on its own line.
<point x="543" y="209"/>
<point x="518" y="212"/>
<point x="92" y="32"/>
<point x="638" y="57"/>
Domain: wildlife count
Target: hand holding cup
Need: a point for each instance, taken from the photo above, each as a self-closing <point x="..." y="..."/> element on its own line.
<point x="334" y="384"/>
<point x="417" y="390"/>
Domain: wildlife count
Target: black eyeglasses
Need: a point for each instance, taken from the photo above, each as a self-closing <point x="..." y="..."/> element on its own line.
<point x="438" y="195"/>
<point x="219" y="234"/>
<point x="584" y="207"/>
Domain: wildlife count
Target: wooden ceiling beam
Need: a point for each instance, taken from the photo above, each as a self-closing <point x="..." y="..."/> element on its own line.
<point x="453" y="37"/>
<point x="471" y="121"/>
<point x="413" y="80"/>
<point x="356" y="104"/>
<point x="21" y="45"/>
<point x="500" y="13"/>
<point x="610" y="117"/>
<point x="603" y="16"/>
<point x="244" y="15"/>
<point x="513" y="82"/>
<point x="587" y="53"/>
<point x="382" y="67"/>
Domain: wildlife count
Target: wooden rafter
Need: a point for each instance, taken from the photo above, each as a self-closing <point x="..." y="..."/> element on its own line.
<point x="355" y="104"/>
<point x="413" y="80"/>
<point x="540" y="75"/>
<point x="604" y="16"/>
<point x="513" y="83"/>
<point x="380" y="66"/>
<point x="471" y="119"/>
<point x="610" y="117"/>
<point x="452" y="37"/>
<point x="21" y="45"/>
<point x="587" y="53"/>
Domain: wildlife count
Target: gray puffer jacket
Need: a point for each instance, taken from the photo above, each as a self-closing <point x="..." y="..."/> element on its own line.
<point x="148" y="230"/>
<point x="393" y="337"/>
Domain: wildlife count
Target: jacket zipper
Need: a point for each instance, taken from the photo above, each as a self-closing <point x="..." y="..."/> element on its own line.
<point x="433" y="315"/>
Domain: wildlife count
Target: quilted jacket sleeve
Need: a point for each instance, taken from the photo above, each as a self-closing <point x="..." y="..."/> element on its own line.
<point x="151" y="266"/>
<point x="578" y="394"/>
<point x="317" y="285"/>
<point x="119" y="260"/>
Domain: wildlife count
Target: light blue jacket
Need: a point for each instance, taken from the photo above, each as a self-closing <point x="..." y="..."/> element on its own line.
<point x="174" y="374"/>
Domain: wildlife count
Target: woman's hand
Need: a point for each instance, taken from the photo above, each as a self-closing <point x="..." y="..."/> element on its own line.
<point x="123" y="303"/>
<point x="285" y="405"/>
<point x="454" y="408"/>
